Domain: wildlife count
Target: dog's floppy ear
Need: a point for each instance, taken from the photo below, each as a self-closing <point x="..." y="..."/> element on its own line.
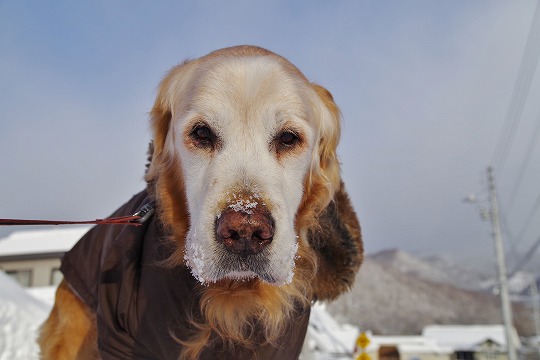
<point x="324" y="176"/>
<point x="335" y="235"/>
<point x="171" y="93"/>
<point x="165" y="181"/>
<point x="330" y="132"/>
<point x="338" y="245"/>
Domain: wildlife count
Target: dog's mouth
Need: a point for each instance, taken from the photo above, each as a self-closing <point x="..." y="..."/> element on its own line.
<point x="210" y="265"/>
<point x="239" y="267"/>
<point x="219" y="264"/>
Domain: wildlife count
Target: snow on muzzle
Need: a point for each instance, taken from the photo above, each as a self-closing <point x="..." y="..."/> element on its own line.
<point x="251" y="237"/>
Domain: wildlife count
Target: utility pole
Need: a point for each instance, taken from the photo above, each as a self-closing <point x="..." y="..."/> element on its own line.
<point x="501" y="266"/>
<point x="536" y="306"/>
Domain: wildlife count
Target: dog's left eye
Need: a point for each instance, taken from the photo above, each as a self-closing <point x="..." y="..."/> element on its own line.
<point x="203" y="136"/>
<point x="288" y="138"/>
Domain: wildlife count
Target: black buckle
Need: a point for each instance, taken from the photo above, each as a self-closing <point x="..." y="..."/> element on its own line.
<point x="146" y="211"/>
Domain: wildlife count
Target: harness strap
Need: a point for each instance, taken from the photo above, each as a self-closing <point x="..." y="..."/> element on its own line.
<point x="137" y="219"/>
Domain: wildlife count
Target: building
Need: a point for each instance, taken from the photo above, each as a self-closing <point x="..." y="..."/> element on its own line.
<point x="406" y="348"/>
<point x="32" y="257"/>
<point x="443" y="342"/>
<point x="472" y="342"/>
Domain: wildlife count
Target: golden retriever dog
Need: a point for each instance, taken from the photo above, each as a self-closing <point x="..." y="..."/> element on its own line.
<point x="252" y="224"/>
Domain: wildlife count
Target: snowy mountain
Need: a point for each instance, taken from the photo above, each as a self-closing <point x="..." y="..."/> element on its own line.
<point x="434" y="268"/>
<point x="461" y="273"/>
<point x="397" y="293"/>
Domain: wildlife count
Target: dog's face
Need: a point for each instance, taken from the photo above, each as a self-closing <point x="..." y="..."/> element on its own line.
<point x="246" y="132"/>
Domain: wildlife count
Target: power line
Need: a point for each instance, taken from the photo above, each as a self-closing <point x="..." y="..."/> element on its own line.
<point x="520" y="93"/>
<point x="528" y="221"/>
<point x="524" y="166"/>
<point x="526" y="258"/>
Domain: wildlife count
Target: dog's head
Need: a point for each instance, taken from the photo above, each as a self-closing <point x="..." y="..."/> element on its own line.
<point x="244" y="161"/>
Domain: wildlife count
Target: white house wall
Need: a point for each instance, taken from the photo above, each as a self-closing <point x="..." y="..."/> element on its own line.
<point x="42" y="270"/>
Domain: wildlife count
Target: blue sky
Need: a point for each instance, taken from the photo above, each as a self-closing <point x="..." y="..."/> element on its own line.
<point x="423" y="87"/>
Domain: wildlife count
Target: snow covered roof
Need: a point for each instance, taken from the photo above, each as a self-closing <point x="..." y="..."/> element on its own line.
<point x="467" y="337"/>
<point x="408" y="344"/>
<point x="33" y="242"/>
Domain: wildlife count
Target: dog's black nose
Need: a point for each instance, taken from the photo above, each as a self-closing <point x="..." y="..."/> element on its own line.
<point x="245" y="233"/>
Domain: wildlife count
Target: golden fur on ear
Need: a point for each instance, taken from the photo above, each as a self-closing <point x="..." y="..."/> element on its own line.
<point x="162" y="113"/>
<point x="324" y="178"/>
<point x="164" y="176"/>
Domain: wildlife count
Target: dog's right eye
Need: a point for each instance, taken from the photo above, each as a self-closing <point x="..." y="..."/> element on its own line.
<point x="203" y="136"/>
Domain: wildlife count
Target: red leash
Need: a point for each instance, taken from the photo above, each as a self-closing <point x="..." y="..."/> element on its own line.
<point x="136" y="219"/>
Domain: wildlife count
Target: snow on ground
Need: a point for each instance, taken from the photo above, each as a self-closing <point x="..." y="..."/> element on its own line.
<point x="45" y="294"/>
<point x="326" y="339"/>
<point x="20" y="316"/>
